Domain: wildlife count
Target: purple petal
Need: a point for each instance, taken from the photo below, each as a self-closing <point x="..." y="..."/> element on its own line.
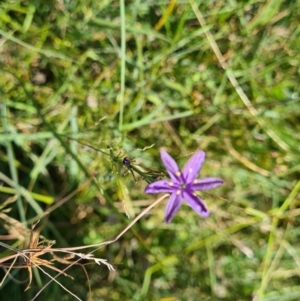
<point x="170" y="164"/>
<point x="196" y="203"/>
<point x="172" y="207"/>
<point x="161" y="186"/>
<point x="193" y="166"/>
<point x="206" y="183"/>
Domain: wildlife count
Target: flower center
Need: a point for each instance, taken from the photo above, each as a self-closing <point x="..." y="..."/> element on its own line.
<point x="182" y="186"/>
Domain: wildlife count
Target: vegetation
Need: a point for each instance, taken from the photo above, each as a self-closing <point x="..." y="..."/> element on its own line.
<point x="85" y="84"/>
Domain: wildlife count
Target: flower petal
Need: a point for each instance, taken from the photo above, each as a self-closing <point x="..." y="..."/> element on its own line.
<point x="172" y="207"/>
<point x="206" y="183"/>
<point x="193" y="166"/>
<point x="196" y="203"/>
<point x="161" y="186"/>
<point x="170" y="164"/>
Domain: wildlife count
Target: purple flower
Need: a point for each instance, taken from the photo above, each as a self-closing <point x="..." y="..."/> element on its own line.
<point x="182" y="185"/>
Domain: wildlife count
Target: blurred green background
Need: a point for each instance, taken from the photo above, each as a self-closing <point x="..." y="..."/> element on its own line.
<point x="86" y="83"/>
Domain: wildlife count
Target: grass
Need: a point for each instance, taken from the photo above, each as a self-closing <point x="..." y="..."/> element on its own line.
<point x="84" y="84"/>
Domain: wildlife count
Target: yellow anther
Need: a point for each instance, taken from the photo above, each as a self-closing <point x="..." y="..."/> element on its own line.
<point x="178" y="173"/>
<point x="171" y="184"/>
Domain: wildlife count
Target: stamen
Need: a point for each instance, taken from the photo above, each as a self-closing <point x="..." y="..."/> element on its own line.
<point x="178" y="192"/>
<point x="171" y="184"/>
<point x="195" y="181"/>
<point x="178" y="173"/>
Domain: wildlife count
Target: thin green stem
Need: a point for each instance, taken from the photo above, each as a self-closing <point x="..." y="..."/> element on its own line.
<point x="123" y="63"/>
<point x="12" y="167"/>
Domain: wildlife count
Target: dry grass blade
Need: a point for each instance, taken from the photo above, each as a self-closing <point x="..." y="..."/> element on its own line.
<point x="33" y="258"/>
